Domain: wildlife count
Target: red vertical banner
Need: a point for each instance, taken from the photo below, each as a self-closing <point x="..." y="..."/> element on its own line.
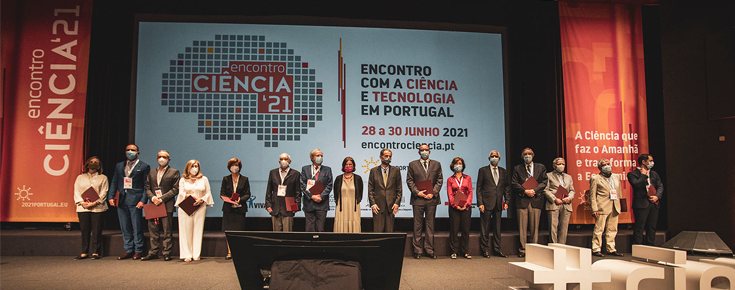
<point x="43" y="109"/>
<point x="604" y="95"/>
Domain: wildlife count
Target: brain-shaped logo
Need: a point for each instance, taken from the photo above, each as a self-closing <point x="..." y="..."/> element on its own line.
<point x="243" y="84"/>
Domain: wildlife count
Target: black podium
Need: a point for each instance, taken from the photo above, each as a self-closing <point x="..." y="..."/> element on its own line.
<point x="380" y="255"/>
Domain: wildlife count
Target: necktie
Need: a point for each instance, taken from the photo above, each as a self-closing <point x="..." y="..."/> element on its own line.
<point x="426" y="166"/>
<point x="528" y="169"/>
<point x="495" y="175"/>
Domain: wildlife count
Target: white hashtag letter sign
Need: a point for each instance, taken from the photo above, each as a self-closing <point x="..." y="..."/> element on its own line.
<point x="552" y="267"/>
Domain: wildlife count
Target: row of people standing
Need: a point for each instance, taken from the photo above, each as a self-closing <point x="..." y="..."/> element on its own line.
<point x="161" y="185"/>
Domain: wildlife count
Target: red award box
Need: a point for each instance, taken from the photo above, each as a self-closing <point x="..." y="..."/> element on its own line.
<point x="530" y="183"/>
<point x="90" y="195"/>
<point x="291" y="205"/>
<point x="426" y="185"/>
<point x="459" y="198"/>
<point x="562" y="193"/>
<point x="152" y="211"/>
<point x="317" y="189"/>
<point x="235" y="197"/>
<point x="187" y="205"/>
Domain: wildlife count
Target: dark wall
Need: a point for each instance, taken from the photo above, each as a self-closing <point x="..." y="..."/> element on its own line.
<point x="701" y="175"/>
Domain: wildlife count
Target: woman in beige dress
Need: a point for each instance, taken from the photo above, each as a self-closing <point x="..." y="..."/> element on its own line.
<point x="347" y="196"/>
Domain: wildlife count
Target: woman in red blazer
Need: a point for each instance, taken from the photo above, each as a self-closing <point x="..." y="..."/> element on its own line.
<point x="459" y="192"/>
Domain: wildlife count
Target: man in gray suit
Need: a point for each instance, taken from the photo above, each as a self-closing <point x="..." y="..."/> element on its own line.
<point x="493" y="185"/>
<point x="424" y="201"/>
<point x="529" y="202"/>
<point x="385" y="189"/>
<point x="316" y="205"/>
<point x="558" y="209"/>
<point x="605" y="203"/>
<point x="162" y="186"/>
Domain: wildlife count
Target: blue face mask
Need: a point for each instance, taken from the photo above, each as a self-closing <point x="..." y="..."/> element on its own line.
<point x="528" y="158"/>
<point x="606" y="169"/>
<point x="131" y="155"/>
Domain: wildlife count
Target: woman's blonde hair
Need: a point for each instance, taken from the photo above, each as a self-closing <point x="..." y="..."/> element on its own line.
<point x="189" y="165"/>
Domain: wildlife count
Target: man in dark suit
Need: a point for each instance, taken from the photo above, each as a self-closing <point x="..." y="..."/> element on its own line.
<point x="129" y="180"/>
<point x="162" y="187"/>
<point x="424" y="201"/>
<point x="493" y="185"/>
<point x="316" y="205"/>
<point x="645" y="207"/>
<point x="529" y="202"/>
<point x="385" y="190"/>
<point x="282" y="182"/>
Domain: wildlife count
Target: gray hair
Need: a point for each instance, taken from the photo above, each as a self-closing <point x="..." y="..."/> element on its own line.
<point x="599" y="163"/>
<point x="311" y="154"/>
<point x="527" y="149"/>
<point x="553" y="163"/>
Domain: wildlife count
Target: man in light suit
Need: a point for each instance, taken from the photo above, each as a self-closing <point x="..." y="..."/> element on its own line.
<point x="645" y="207"/>
<point x="129" y="180"/>
<point x="493" y="185"/>
<point x="558" y="209"/>
<point x="385" y="190"/>
<point x="162" y="187"/>
<point x="424" y="202"/>
<point x="282" y="182"/>
<point x="605" y="203"/>
<point x="316" y="205"/>
<point x="529" y="202"/>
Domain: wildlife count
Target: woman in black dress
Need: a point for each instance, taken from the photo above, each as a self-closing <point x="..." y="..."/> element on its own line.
<point x="234" y="209"/>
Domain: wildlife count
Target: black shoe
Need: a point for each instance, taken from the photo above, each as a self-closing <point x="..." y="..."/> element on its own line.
<point x="417" y="256"/>
<point x="500" y="254"/>
<point x="615" y="254"/>
<point x="467" y="256"/>
<point x="486" y="255"/>
<point x="95" y="256"/>
<point x="149" y="257"/>
<point x="597" y="254"/>
<point x="228" y="257"/>
<point x="166" y="258"/>
<point x="433" y="256"/>
<point x="453" y="256"/>
<point x="80" y="257"/>
<point x="522" y="255"/>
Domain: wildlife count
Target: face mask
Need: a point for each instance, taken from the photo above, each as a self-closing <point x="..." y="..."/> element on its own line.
<point x="131" y="154"/>
<point x="284" y="164"/>
<point x="650" y="165"/>
<point x="162" y="161"/>
<point x="234" y="169"/>
<point x="194" y="170"/>
<point x="494" y="161"/>
<point x="93" y="166"/>
<point x="349" y="168"/>
<point x="528" y="158"/>
<point x="386" y="161"/>
<point x="424" y="154"/>
<point x="318" y="160"/>
<point x="560" y="168"/>
<point x="606" y="169"/>
<point x="458" y="168"/>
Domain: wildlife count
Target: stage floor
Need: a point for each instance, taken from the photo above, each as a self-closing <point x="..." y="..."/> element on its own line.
<point x="56" y="272"/>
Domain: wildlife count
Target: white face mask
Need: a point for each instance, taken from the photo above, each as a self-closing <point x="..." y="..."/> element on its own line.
<point x="560" y="168"/>
<point x="458" y="168"/>
<point x="494" y="161"/>
<point x="318" y="160"/>
<point x="194" y="171"/>
<point x="162" y="161"/>
<point x="234" y="169"/>
<point x="424" y="154"/>
<point x="650" y="165"/>
<point x="283" y="163"/>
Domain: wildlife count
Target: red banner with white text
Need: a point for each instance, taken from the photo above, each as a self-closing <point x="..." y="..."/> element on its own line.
<point x="43" y="108"/>
<point x="604" y="96"/>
